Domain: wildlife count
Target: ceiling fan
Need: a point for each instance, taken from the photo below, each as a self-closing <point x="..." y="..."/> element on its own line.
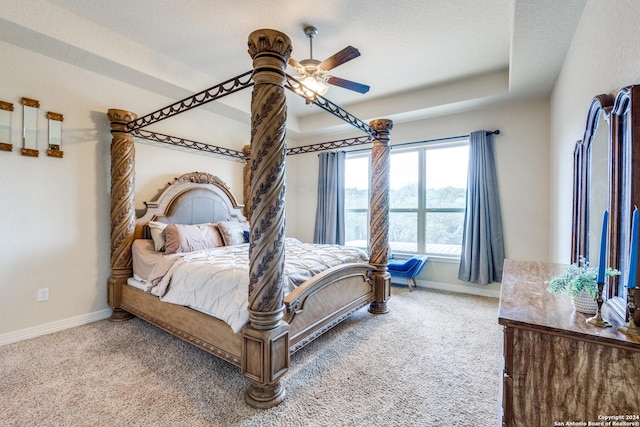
<point x="312" y="73"/>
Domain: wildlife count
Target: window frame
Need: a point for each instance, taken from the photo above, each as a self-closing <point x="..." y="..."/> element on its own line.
<point x="421" y="211"/>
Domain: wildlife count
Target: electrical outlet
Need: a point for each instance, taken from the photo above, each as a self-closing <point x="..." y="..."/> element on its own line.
<point x="43" y="294"/>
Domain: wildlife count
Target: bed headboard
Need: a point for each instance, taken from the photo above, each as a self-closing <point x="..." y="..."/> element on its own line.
<point x="193" y="198"/>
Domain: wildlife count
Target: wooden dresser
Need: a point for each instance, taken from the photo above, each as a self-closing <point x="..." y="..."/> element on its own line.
<point x="558" y="369"/>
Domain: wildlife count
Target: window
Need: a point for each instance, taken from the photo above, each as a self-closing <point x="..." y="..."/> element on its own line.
<point x="356" y="203"/>
<point x="427" y="197"/>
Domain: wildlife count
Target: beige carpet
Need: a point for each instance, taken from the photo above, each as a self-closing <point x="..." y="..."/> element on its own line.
<point x="434" y="360"/>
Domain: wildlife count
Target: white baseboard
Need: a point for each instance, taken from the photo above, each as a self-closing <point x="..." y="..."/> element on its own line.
<point x="52" y="327"/>
<point x="473" y="290"/>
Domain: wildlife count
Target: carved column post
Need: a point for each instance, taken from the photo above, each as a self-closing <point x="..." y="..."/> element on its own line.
<point x="379" y="222"/>
<point x="265" y="355"/>
<point x="247" y="182"/>
<point x="123" y="217"/>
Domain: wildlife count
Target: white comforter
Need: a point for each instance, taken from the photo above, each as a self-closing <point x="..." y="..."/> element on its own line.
<point x="215" y="281"/>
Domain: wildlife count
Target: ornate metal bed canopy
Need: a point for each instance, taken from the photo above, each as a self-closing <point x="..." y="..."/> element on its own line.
<point x="233" y="85"/>
<point x="266" y="333"/>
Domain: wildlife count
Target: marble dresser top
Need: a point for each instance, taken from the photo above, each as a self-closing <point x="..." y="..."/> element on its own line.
<point x="525" y="303"/>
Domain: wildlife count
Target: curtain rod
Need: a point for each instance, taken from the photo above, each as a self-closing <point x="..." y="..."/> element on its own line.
<point x="404" y="144"/>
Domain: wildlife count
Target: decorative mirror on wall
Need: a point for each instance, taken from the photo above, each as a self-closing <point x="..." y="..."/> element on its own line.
<point x="55" y="134"/>
<point x="606" y="168"/>
<point x="30" y="127"/>
<point x="591" y="192"/>
<point x="625" y="189"/>
<point x="5" y="126"/>
<point x="598" y="192"/>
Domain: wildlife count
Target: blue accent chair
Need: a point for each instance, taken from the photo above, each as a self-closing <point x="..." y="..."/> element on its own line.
<point x="408" y="269"/>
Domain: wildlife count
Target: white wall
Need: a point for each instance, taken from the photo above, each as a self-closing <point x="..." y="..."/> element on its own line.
<point x="522" y="153"/>
<point x="602" y="59"/>
<point x="55" y="212"/>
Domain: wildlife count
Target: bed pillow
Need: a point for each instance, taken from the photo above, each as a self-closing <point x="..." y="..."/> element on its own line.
<point x="156" y="229"/>
<point x="189" y="238"/>
<point x="233" y="232"/>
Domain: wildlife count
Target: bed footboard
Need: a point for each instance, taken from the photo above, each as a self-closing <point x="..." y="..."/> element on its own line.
<point x="325" y="300"/>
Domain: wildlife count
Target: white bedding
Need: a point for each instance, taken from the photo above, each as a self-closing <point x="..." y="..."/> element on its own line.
<point x="215" y="281"/>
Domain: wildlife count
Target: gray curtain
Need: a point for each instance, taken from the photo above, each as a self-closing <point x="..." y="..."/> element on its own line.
<point x="330" y="211"/>
<point x="482" y="239"/>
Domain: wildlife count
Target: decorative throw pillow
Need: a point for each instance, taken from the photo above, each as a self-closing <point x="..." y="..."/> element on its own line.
<point x="233" y="232"/>
<point x="156" y="228"/>
<point x="189" y="238"/>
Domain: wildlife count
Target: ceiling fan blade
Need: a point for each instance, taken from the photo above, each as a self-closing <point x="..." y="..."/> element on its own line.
<point x="346" y="54"/>
<point x="295" y="64"/>
<point x="347" y="84"/>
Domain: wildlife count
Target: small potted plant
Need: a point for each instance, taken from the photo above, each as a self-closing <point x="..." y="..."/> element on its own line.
<point x="580" y="283"/>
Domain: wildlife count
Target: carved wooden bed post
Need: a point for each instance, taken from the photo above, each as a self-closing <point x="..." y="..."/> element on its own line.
<point x="379" y="223"/>
<point x="123" y="216"/>
<point x="265" y="340"/>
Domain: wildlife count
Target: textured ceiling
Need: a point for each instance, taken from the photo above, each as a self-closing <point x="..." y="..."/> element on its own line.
<point x="421" y="58"/>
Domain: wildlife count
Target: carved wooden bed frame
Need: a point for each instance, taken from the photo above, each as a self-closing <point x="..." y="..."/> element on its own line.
<point x="278" y="326"/>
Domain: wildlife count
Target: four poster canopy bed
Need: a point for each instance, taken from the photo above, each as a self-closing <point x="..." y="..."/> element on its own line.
<point x="276" y="294"/>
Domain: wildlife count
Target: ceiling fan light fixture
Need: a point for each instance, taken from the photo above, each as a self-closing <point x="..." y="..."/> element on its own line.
<point x="311" y="72"/>
<point x="310" y="87"/>
<point x="316" y="85"/>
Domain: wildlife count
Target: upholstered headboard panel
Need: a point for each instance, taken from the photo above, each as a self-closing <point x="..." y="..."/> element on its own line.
<point x="197" y="206"/>
<point x="194" y="198"/>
